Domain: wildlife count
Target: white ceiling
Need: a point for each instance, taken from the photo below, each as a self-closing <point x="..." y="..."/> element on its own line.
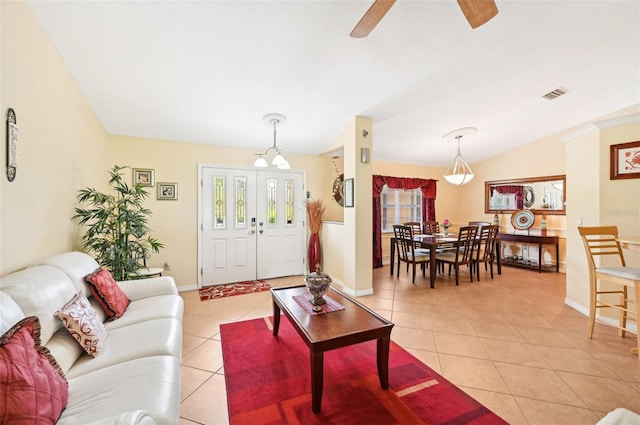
<point x="207" y="71"/>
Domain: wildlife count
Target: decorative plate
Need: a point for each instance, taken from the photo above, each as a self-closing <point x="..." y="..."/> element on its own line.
<point x="529" y="197"/>
<point x="338" y="190"/>
<point x="522" y="219"/>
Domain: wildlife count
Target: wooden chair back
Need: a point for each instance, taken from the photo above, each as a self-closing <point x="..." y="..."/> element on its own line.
<point x="430" y="227"/>
<point x="416" y="227"/>
<point x="407" y="249"/>
<point x="485" y="246"/>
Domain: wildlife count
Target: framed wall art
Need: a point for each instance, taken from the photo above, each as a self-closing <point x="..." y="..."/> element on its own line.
<point x="144" y="176"/>
<point x="12" y="144"/>
<point x="625" y="161"/>
<point x="348" y="193"/>
<point x="168" y="191"/>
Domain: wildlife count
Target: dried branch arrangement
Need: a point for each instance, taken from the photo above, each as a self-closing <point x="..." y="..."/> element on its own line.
<point x="315" y="211"/>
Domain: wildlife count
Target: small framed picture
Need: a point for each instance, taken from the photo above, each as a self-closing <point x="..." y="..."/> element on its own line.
<point x="348" y="193"/>
<point x="168" y="191"/>
<point x="144" y="176"/>
<point x="625" y="161"/>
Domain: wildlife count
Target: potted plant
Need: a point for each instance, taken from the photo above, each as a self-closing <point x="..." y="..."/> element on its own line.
<point x="117" y="230"/>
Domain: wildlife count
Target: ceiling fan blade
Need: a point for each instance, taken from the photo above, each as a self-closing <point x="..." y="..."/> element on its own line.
<point x="376" y="12"/>
<point x="478" y="12"/>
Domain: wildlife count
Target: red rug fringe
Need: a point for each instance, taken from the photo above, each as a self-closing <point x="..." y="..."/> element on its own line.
<point x="231" y="289"/>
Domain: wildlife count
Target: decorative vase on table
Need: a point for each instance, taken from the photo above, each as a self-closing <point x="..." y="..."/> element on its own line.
<point x="315" y="210"/>
<point x="445" y="231"/>
<point x="317" y="284"/>
<point x="314" y="254"/>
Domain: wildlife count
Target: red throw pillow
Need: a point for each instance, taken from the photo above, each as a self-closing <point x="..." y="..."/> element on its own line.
<point x="32" y="384"/>
<point x="113" y="300"/>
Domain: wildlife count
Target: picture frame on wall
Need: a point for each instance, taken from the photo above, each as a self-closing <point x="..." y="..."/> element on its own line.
<point x="144" y="176"/>
<point x="625" y="161"/>
<point x="167" y="191"/>
<point x="348" y="193"/>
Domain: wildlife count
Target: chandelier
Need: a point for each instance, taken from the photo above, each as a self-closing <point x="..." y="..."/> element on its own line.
<point x="273" y="120"/>
<point x="459" y="172"/>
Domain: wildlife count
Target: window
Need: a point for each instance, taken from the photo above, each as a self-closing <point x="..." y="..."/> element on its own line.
<point x="400" y="206"/>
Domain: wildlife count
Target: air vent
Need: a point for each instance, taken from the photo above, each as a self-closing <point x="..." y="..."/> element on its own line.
<point x="555" y="93"/>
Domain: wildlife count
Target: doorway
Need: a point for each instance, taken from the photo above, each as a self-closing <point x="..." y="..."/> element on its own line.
<point x="252" y="224"/>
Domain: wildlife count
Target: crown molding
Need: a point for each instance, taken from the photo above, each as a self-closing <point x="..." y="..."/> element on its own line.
<point x="600" y="125"/>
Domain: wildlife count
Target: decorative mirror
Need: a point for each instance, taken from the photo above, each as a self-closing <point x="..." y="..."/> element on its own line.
<point x="541" y="195"/>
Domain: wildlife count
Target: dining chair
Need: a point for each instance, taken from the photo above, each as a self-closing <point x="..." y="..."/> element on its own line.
<point x="408" y="252"/>
<point x="430" y="227"/>
<point x="485" y="247"/>
<point x="416" y="227"/>
<point x="606" y="264"/>
<point x="462" y="255"/>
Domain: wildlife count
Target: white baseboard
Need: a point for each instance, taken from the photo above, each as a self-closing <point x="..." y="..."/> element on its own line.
<point x="600" y="319"/>
<point x="187" y="288"/>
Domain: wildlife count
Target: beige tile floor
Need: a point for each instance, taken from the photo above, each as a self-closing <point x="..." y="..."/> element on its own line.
<point x="509" y="342"/>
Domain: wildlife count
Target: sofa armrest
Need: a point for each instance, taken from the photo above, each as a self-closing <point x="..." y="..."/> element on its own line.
<point x="136" y="417"/>
<point x="144" y="288"/>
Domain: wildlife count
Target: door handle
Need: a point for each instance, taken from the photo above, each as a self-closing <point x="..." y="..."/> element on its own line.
<point x="252" y="231"/>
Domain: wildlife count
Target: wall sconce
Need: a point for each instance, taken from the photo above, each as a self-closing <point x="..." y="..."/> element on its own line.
<point x="364" y="155"/>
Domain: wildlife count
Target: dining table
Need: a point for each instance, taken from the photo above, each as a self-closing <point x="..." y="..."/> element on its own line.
<point x="434" y="243"/>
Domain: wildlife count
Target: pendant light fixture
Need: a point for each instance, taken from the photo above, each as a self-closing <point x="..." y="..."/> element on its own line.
<point x="459" y="172"/>
<point x="273" y="120"/>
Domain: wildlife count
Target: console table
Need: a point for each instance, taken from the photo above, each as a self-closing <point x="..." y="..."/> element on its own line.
<point x="531" y="239"/>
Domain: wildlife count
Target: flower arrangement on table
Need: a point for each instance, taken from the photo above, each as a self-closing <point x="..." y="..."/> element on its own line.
<point x="446" y="223"/>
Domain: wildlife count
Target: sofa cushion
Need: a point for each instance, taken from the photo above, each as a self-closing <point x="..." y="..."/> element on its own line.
<point x="40" y="291"/>
<point x="108" y="293"/>
<point x="141" y="340"/>
<point x="80" y="318"/>
<point x="151" y="384"/>
<point x="10" y="312"/>
<point x="76" y="265"/>
<point x="34" y="387"/>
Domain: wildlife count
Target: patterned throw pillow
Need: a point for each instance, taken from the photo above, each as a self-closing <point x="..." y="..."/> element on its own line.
<point x="108" y="293"/>
<point x="79" y="317"/>
<point x="32" y="384"/>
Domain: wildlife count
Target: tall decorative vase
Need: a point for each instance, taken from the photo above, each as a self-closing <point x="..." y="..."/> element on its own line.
<point x="314" y="254"/>
<point x="543" y="225"/>
<point x="445" y="231"/>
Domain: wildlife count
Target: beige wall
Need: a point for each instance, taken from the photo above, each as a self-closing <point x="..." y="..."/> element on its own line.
<point x="62" y="145"/>
<point x="174" y="223"/>
<point x="595" y="200"/>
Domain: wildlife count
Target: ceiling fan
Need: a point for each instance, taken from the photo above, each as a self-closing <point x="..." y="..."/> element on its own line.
<point x="477" y="12"/>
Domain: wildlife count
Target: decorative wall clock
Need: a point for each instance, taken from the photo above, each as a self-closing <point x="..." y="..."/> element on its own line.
<point x="338" y="190"/>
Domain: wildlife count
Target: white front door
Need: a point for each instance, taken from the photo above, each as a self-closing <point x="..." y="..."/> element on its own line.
<point x="228" y="235"/>
<point x="252" y="225"/>
<point x="281" y="224"/>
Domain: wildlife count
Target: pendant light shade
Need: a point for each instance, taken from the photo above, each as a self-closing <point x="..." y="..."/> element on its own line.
<point x="260" y="161"/>
<point x="278" y="160"/>
<point x="459" y="172"/>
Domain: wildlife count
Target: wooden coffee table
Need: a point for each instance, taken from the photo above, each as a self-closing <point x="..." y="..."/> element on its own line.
<point x="328" y="331"/>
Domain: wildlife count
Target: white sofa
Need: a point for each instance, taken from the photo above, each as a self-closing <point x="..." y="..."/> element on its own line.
<point x="135" y="379"/>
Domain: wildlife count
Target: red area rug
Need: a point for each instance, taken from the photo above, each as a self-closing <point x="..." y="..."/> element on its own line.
<point x="221" y="291"/>
<point x="268" y="382"/>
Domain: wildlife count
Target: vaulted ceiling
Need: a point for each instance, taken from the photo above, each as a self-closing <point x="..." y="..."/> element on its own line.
<point x="207" y="71"/>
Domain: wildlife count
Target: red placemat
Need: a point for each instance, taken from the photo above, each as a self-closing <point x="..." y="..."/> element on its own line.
<point x="304" y="301"/>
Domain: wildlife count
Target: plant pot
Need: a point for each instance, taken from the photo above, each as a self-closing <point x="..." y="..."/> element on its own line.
<point x="314" y="253"/>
